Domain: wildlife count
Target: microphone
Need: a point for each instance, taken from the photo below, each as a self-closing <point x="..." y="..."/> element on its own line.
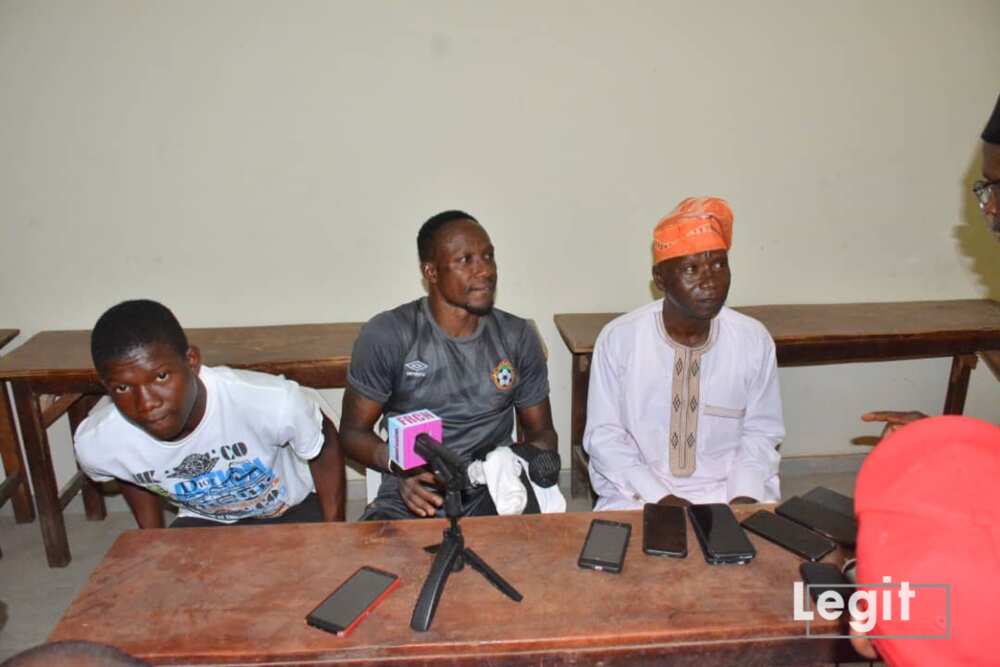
<point x="403" y="432"/>
<point x="543" y="464"/>
<point x="415" y="440"/>
<point x="448" y="468"/>
<point x="432" y="450"/>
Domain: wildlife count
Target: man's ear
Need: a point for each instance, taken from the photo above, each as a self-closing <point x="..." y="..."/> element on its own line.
<point x="658" y="277"/>
<point x="193" y="358"/>
<point x="429" y="271"/>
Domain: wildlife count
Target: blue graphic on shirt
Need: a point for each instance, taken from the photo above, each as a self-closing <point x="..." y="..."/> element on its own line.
<point x="244" y="489"/>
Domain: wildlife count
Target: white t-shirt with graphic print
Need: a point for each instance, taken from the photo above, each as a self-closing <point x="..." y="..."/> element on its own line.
<point x="247" y="458"/>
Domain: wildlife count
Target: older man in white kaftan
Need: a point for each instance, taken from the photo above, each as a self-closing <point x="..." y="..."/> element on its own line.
<point x="684" y="405"/>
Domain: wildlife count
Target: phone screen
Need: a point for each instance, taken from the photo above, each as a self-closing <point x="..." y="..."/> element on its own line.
<point x="834" y="525"/>
<point x="664" y="530"/>
<point x="352" y="599"/>
<point x="723" y="539"/>
<point x="790" y="535"/>
<point x="605" y="545"/>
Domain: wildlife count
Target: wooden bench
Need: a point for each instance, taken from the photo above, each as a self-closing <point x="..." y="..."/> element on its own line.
<point x="822" y="334"/>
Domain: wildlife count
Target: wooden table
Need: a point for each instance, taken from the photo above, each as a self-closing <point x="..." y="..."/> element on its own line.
<point x="15" y="485"/>
<point x="822" y="334"/>
<point x="58" y="363"/>
<point x="239" y="595"/>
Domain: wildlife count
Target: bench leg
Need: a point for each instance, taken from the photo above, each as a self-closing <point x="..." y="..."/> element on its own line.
<point x="577" y="475"/>
<point x="579" y="383"/>
<point x="992" y="360"/>
<point x="958" y="383"/>
<point x="580" y="479"/>
<point x="43" y="475"/>
<point x="93" y="499"/>
<point x="13" y="464"/>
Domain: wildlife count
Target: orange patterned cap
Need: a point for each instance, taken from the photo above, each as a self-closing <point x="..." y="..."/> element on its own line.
<point x="698" y="224"/>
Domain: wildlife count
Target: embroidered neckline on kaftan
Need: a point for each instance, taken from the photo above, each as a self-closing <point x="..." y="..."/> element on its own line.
<point x="686" y="396"/>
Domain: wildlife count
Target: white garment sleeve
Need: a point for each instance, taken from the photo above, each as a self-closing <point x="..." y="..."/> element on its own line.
<point x="302" y="426"/>
<point x="614" y="452"/>
<point x="88" y="450"/>
<point x="754" y="471"/>
<point x="88" y="467"/>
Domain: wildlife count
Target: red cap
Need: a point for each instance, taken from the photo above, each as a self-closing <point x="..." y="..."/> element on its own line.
<point x="928" y="513"/>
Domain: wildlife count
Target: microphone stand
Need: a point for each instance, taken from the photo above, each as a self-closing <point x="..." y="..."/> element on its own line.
<point x="451" y="554"/>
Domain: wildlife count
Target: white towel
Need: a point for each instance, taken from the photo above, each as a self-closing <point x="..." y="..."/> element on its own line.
<point x="501" y="472"/>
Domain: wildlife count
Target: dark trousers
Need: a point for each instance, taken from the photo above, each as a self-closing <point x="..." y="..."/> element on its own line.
<point x="481" y="506"/>
<point x="308" y="511"/>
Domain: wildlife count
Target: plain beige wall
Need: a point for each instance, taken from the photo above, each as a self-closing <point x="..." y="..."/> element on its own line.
<point x="266" y="162"/>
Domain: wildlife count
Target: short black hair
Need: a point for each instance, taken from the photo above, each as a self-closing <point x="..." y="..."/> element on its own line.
<point x="60" y="653"/>
<point x="429" y="231"/>
<point x="134" y="324"/>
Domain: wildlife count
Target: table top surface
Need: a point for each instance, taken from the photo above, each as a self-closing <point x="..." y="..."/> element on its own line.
<point x="241" y="593"/>
<point x="268" y="348"/>
<point x="7" y="335"/>
<point x="971" y="320"/>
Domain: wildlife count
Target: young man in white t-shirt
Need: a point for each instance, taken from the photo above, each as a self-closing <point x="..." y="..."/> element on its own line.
<point x="226" y="446"/>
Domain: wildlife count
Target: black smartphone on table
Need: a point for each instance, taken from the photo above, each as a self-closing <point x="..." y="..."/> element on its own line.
<point x="664" y="530"/>
<point x="839" y="528"/>
<point x="830" y="499"/>
<point x="790" y="535"/>
<point x="605" y="546"/>
<point x="353" y="600"/>
<point x="719" y="533"/>
<point x="822" y="577"/>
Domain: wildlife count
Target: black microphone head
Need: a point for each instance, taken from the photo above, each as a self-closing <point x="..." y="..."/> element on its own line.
<point x="446" y="464"/>
<point x="543" y="464"/>
<point x="544" y="468"/>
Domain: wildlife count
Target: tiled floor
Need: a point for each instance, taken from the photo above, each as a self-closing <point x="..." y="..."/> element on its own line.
<point x="36" y="596"/>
